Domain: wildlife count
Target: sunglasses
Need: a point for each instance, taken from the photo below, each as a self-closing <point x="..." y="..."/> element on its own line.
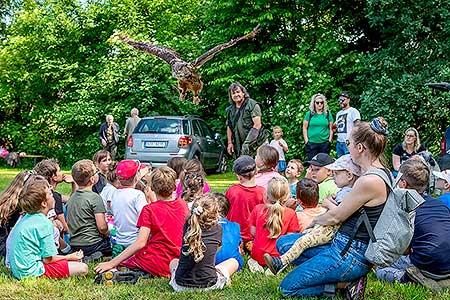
<point x="342" y="99"/>
<point x="319" y="102"/>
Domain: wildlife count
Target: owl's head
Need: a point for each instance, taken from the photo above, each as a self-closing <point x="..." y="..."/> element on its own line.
<point x="182" y="70"/>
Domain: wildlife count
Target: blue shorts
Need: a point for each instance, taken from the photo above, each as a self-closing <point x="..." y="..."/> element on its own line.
<point x="281" y="165"/>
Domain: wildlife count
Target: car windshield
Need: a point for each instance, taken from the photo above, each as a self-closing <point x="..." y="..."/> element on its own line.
<point x="157" y="125"/>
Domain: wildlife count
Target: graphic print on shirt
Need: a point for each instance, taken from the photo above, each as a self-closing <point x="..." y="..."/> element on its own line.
<point x="341" y="123"/>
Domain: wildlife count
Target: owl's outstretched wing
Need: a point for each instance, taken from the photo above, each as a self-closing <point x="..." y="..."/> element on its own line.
<point x="210" y="53"/>
<point x="164" y="53"/>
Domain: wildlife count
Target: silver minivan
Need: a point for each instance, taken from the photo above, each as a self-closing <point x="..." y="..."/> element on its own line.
<point x="157" y="139"/>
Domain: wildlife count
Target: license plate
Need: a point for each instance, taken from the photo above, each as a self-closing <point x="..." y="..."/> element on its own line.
<point x="154" y="144"/>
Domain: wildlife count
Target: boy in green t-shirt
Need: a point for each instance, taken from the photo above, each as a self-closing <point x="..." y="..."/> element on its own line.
<point x="32" y="252"/>
<point x="86" y="214"/>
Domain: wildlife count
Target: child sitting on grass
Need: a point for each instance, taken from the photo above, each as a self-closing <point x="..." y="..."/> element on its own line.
<point x="193" y="185"/>
<point x="32" y="251"/>
<point x="266" y="164"/>
<point x="293" y="172"/>
<point x="231" y="234"/>
<point x="443" y="185"/>
<point x="49" y="168"/>
<point x="308" y="200"/>
<point x="270" y="221"/>
<point x="176" y="164"/>
<point x="192" y="166"/>
<point x="345" y="173"/>
<point x="86" y="214"/>
<point x="160" y="234"/>
<point x="244" y="196"/>
<point x="9" y="208"/>
<point x="102" y="159"/>
<point x="126" y="205"/>
<point x="112" y="184"/>
<point x="196" y="269"/>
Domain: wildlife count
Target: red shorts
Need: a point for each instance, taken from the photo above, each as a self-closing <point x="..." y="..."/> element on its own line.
<point x="131" y="263"/>
<point x="57" y="269"/>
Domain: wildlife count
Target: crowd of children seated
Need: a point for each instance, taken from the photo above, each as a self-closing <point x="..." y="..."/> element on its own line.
<point x="166" y="222"/>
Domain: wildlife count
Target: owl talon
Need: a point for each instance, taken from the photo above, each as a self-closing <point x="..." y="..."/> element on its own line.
<point x="196" y="100"/>
<point x="182" y="97"/>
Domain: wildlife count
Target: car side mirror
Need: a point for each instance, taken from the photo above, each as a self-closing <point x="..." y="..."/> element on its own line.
<point x="217" y="136"/>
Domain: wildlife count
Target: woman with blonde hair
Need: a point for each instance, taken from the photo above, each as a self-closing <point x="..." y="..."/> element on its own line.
<point x="271" y="220"/>
<point x="409" y="147"/>
<point x="318" y="127"/>
<point x="196" y="269"/>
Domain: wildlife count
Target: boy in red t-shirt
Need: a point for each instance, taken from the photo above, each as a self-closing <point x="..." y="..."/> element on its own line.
<point x="160" y="235"/>
<point x="244" y="197"/>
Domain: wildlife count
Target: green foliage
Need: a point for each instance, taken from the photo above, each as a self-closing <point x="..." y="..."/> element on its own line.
<point x="414" y="52"/>
<point x="62" y="69"/>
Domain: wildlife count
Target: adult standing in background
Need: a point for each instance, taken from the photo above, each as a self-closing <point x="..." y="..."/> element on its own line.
<point x="411" y="145"/>
<point x="317" y="127"/>
<point x="131" y="123"/>
<point x="109" y="135"/>
<point x="346" y="119"/>
<point x="245" y="132"/>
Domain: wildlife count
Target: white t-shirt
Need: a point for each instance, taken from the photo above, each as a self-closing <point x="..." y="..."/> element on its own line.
<point x="107" y="192"/>
<point x="345" y="121"/>
<point x="274" y="143"/>
<point x="126" y="205"/>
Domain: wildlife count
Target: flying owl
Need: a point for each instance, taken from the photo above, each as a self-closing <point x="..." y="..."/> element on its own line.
<point x="186" y="72"/>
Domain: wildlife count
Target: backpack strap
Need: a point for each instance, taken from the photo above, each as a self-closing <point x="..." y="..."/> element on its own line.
<point x="363" y="218"/>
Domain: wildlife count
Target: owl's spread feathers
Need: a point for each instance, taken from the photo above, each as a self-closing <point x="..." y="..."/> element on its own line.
<point x="186" y="72"/>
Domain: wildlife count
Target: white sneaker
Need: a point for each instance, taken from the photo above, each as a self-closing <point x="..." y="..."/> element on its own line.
<point x="254" y="266"/>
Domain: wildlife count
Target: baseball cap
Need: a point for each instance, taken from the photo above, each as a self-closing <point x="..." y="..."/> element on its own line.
<point x="344" y="94"/>
<point x="244" y="164"/>
<point x="128" y="168"/>
<point x="320" y="160"/>
<point x="445" y="175"/>
<point x="346" y="163"/>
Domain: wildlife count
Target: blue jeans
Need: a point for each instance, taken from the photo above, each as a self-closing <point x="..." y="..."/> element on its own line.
<point x="341" y="149"/>
<point x="322" y="265"/>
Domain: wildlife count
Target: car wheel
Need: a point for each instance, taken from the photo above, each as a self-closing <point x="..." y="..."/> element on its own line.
<point x="222" y="166"/>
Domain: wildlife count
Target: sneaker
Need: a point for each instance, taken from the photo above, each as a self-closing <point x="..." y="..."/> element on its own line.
<point x="415" y="275"/>
<point x="97" y="255"/>
<point x="254" y="266"/>
<point x="274" y="263"/>
<point x="109" y="278"/>
<point x="355" y="290"/>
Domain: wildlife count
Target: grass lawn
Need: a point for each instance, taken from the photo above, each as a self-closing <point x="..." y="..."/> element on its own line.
<point x="245" y="285"/>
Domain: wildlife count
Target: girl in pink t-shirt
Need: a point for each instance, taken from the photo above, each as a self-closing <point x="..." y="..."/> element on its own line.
<point x="266" y="164"/>
<point x="271" y="220"/>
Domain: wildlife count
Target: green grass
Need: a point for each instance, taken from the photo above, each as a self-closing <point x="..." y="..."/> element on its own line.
<point x="245" y="285"/>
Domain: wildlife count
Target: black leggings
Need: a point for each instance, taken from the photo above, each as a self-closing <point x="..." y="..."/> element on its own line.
<point x="103" y="246"/>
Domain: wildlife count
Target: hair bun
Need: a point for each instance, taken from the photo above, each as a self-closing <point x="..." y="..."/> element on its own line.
<point x="380" y="126"/>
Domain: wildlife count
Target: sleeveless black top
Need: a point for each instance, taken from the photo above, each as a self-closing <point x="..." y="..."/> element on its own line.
<point x="373" y="213"/>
